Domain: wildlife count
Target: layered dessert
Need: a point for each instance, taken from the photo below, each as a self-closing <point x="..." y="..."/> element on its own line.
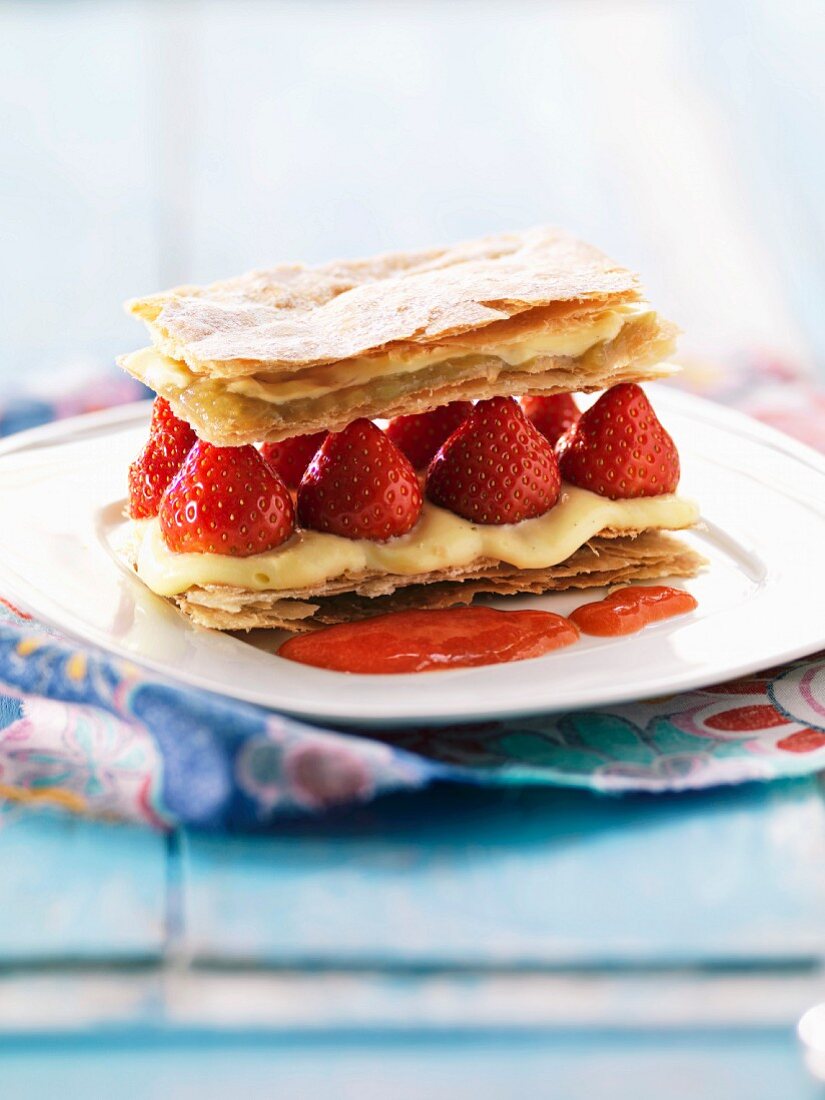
<point x="268" y="496"/>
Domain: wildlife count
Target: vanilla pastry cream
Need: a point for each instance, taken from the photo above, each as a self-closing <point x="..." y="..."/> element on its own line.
<point x="440" y="540"/>
<point x="163" y="374"/>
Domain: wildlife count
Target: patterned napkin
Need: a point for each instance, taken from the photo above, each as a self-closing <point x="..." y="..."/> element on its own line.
<point x="95" y="735"/>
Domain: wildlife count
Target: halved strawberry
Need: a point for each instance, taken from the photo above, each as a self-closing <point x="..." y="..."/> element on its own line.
<point x="360" y="486"/>
<point x="170" y="441"/>
<point x="419" y="436"/>
<point x="619" y="449"/>
<point x="290" y="457"/>
<point x="226" y="500"/>
<point x="497" y="468"/>
<point x="552" y="414"/>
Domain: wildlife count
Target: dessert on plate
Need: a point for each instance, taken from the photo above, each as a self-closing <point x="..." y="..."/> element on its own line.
<point x="267" y="496"/>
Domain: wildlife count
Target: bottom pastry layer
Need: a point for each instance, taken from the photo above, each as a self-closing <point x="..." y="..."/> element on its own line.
<point x="604" y="560"/>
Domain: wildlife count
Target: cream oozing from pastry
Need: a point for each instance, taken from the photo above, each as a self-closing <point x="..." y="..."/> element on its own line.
<point x="440" y="540"/>
<point x="166" y="375"/>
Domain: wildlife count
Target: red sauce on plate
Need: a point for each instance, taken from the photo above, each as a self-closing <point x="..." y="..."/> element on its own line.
<point x="423" y="641"/>
<point x="627" y="610"/>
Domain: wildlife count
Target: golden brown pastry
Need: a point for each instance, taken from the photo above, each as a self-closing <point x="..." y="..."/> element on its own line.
<point x="297" y="349"/>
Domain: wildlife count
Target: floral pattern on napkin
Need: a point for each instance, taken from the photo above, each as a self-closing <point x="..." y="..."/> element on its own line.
<point x="95" y="735"/>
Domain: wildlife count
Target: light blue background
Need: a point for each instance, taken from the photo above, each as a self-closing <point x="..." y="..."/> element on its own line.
<point x="145" y="144"/>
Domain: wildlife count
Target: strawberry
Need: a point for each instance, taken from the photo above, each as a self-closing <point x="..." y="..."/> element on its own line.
<point x="497" y="468"/>
<point x="226" y="500"/>
<point x="290" y="457"/>
<point x="552" y="415"/>
<point x="619" y="449"/>
<point x="420" y="436"/>
<point x="170" y="441"/>
<point x="360" y="486"/>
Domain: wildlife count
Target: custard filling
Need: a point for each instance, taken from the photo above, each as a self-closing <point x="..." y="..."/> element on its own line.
<point x="335" y="388"/>
<point x="440" y="540"/>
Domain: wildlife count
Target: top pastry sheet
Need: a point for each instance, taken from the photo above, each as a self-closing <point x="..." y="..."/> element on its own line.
<point x="294" y="316"/>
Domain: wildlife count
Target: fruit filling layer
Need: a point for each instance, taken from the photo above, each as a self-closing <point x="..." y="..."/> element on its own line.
<point x="439" y="540"/>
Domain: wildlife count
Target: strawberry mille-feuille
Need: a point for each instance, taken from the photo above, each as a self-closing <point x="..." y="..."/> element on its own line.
<point x="267" y="496"/>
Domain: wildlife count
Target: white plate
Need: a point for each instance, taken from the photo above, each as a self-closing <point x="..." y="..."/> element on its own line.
<point x="762" y="600"/>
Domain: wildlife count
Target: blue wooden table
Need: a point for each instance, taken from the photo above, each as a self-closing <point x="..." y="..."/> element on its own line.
<point x="457" y="943"/>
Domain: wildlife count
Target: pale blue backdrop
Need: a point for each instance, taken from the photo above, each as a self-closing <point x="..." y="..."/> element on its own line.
<point x="144" y="144"/>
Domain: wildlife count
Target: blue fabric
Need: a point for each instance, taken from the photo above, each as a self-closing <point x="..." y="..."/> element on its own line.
<point x="98" y="735"/>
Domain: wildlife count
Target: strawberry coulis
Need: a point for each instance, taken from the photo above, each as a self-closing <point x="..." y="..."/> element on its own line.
<point x="424" y="641"/>
<point x="628" y="610"/>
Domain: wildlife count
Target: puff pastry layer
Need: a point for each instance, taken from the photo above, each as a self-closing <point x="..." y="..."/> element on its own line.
<point x="297" y="349"/>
